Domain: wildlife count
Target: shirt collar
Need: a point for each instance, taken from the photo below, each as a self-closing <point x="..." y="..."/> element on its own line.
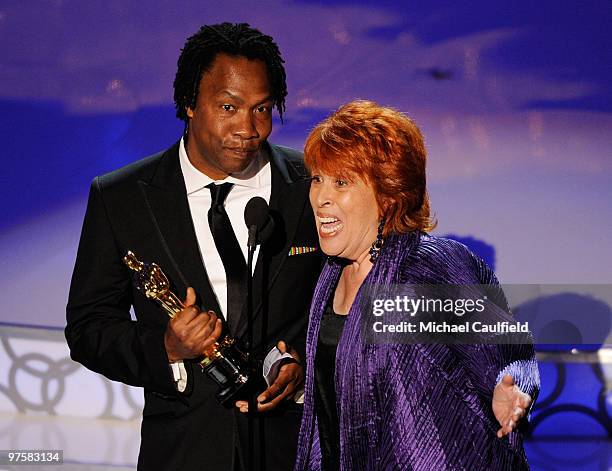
<point x="195" y="181"/>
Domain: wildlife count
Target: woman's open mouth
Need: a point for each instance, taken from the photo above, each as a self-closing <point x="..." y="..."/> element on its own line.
<point x="329" y="225"/>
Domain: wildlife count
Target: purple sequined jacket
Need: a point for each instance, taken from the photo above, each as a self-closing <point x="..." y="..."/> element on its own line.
<point x="415" y="407"/>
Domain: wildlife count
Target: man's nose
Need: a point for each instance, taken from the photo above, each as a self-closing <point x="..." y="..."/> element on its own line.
<point x="246" y="126"/>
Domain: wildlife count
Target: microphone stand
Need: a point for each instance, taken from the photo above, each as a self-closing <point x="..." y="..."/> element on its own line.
<point x="257" y="219"/>
<point x="252" y="245"/>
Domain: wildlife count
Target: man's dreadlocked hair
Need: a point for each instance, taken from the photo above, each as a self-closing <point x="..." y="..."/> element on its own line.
<point x="237" y="39"/>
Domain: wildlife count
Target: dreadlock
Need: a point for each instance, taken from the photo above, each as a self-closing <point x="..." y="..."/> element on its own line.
<point x="237" y="39"/>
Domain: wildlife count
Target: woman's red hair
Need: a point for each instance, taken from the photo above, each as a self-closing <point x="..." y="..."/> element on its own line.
<point x="383" y="147"/>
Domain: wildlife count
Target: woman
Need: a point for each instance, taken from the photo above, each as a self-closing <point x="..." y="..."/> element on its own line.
<point x="395" y="406"/>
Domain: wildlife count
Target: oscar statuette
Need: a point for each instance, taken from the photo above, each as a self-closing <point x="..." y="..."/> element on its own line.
<point x="224" y="362"/>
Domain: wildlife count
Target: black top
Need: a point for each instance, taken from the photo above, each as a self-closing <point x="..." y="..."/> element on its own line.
<point x="332" y="325"/>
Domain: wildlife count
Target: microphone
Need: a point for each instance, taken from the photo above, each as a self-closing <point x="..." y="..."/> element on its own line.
<point x="258" y="220"/>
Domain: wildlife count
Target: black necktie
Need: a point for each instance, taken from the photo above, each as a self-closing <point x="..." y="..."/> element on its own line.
<point x="229" y="250"/>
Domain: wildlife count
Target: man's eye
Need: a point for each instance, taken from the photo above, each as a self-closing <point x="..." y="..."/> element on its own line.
<point x="227" y="107"/>
<point x="263" y="109"/>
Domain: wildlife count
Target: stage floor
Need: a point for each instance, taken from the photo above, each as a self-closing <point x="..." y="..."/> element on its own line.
<point x="112" y="445"/>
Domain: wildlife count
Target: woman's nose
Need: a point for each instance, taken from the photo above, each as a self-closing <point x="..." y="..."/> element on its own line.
<point x="320" y="195"/>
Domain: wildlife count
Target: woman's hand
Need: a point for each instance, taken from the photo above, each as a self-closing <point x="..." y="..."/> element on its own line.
<point x="510" y="404"/>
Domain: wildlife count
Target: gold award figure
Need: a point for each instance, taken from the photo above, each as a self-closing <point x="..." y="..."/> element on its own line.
<point x="224" y="362"/>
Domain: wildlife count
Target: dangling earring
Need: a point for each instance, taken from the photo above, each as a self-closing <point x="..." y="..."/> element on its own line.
<point x="378" y="243"/>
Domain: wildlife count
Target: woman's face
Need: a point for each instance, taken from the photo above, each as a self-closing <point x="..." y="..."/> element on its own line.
<point x="346" y="213"/>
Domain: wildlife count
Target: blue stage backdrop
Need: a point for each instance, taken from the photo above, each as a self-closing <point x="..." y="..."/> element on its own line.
<point x="514" y="99"/>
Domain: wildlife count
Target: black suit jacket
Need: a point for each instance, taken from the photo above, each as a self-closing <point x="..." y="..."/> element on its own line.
<point x="143" y="207"/>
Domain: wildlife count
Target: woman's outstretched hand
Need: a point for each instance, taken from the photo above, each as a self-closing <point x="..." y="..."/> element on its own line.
<point x="510" y="404"/>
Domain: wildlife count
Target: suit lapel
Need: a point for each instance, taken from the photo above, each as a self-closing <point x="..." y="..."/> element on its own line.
<point x="288" y="200"/>
<point x="166" y="199"/>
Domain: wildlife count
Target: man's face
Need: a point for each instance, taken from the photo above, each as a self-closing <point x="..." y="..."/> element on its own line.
<point x="232" y="117"/>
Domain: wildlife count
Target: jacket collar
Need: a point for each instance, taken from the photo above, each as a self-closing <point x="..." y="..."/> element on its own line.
<point x="166" y="197"/>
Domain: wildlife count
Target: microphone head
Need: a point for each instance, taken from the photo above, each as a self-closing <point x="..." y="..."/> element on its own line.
<point x="258" y="220"/>
<point x="256" y="212"/>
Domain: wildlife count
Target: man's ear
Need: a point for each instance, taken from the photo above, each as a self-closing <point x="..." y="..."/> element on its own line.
<point x="189" y="111"/>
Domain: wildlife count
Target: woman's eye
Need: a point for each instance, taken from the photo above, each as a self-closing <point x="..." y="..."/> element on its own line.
<point x="317" y="179"/>
<point x="341" y="182"/>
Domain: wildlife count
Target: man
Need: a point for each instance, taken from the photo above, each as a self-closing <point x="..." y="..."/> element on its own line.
<point x="183" y="209"/>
